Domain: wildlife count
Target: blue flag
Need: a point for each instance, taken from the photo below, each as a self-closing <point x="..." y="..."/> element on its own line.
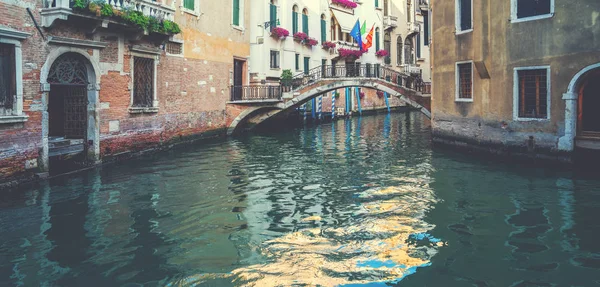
<point x="355" y="33"/>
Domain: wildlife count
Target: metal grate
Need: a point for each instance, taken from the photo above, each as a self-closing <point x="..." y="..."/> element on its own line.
<point x="75" y="106"/>
<point x="174" y="48"/>
<point x="465" y="81"/>
<point x="143" y="82"/>
<point x="68" y="69"/>
<point x="7" y="76"/>
<point x="533" y="93"/>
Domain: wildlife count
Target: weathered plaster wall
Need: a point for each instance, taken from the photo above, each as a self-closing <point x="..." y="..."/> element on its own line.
<point x="567" y="42"/>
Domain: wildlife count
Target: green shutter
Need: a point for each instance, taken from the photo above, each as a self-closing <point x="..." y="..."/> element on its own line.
<point x="188" y="4"/>
<point x="377" y="41"/>
<point x="306" y="63"/>
<point x="273" y="16"/>
<point x="323" y="31"/>
<point x="294" y="22"/>
<point x="376" y="3"/>
<point x="236" y="12"/>
<point x="297" y="62"/>
<point x="305" y="24"/>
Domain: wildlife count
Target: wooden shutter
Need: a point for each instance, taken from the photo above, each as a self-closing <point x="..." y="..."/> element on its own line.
<point x="236" y="12"/>
<point x="376" y="3"/>
<point x="377" y="41"/>
<point x="188" y="4"/>
<point x="305" y="23"/>
<point x="323" y="31"/>
<point x="294" y="22"/>
<point x="273" y="16"/>
<point x="418" y="45"/>
<point x="426" y="29"/>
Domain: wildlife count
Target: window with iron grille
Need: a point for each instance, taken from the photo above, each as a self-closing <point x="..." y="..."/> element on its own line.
<point x="174" y="48"/>
<point x="464" y="81"/>
<point x="533" y="93"/>
<point x="8" y="84"/>
<point x="532" y="8"/>
<point x="143" y="82"/>
<point x="464" y="15"/>
<point x="274" y="59"/>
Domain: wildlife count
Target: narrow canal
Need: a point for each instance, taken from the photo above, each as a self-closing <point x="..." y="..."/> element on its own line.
<point x="363" y="202"/>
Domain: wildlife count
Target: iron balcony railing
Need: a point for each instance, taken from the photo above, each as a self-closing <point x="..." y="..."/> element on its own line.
<point x="376" y="71"/>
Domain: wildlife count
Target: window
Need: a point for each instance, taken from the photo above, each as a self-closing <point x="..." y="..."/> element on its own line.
<point x="143" y="82"/>
<point x="464" y="12"/>
<point x="399" y="50"/>
<point x="236" y="13"/>
<point x="306" y="65"/>
<point x="8" y="81"/>
<point x="425" y="29"/>
<point x="464" y="81"/>
<point x="376" y="3"/>
<point x="377" y="39"/>
<point x="274" y="59"/>
<point x="294" y="20"/>
<point x="273" y="15"/>
<point x="297" y="62"/>
<point x="418" y="38"/>
<point x="385" y="8"/>
<point x="189" y="5"/>
<point x="305" y="21"/>
<point x="387" y="45"/>
<point x="408" y="51"/>
<point x="323" y="29"/>
<point x="532" y="9"/>
<point x="333" y="29"/>
<point x="532" y="88"/>
<point x="174" y="48"/>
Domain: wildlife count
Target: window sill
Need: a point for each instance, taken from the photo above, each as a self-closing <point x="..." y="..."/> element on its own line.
<point x="531" y="119"/>
<point x="379" y="8"/>
<point x="143" y="110"/>
<point x="191" y="12"/>
<point x="532" y="18"/>
<point x="236" y="27"/>
<point x="275" y="69"/>
<point x="13" y="119"/>
<point x="463" y="32"/>
<point x="464" y="100"/>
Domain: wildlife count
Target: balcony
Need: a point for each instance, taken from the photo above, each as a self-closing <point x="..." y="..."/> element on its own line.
<point x="412" y="70"/>
<point x="390" y="22"/>
<point x="423" y="5"/>
<point x="63" y="9"/>
<point x="413" y="28"/>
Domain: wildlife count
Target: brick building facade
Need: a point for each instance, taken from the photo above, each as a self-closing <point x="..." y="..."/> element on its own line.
<point x="85" y="88"/>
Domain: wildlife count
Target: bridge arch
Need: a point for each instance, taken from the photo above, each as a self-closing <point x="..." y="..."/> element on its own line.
<point x="322" y="86"/>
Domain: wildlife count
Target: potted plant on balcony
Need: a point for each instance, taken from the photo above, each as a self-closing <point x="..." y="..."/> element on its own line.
<point x="345" y="3"/>
<point x="328" y="45"/>
<point x="286" y="77"/>
<point x="311" y="42"/>
<point x="349" y="53"/>
<point x="300" y="37"/>
<point x="280" y="33"/>
<point x="382" y="53"/>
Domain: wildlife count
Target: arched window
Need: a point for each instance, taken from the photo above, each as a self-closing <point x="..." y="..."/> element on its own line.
<point x="399" y="50"/>
<point x="295" y="19"/>
<point x="333" y="29"/>
<point x="387" y="45"/>
<point x="408" y="51"/>
<point x="323" y="29"/>
<point x="305" y="21"/>
<point x="377" y="47"/>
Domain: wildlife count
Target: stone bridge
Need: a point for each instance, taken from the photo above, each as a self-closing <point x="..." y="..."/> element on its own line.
<point x="259" y="103"/>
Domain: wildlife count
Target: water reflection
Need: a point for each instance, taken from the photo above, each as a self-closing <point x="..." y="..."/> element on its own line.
<point x="362" y="201"/>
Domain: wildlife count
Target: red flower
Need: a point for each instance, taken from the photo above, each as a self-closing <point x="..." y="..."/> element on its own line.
<point x="279" y="32"/>
<point x="345" y="3"/>
<point x="382" y="53"/>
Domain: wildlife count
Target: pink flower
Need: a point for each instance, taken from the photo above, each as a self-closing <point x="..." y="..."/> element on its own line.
<point x="279" y="32"/>
<point x="349" y="53"/>
<point x="345" y="3"/>
<point x="382" y="53"/>
<point x="312" y="42"/>
<point x="329" y="45"/>
<point x="300" y="36"/>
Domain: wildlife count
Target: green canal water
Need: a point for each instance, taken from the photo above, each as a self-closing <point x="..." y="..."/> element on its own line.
<point x="361" y="202"/>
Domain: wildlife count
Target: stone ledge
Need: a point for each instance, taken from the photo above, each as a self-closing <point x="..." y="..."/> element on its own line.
<point x="143" y="110"/>
<point x="76" y="42"/>
<point x="13" y="119"/>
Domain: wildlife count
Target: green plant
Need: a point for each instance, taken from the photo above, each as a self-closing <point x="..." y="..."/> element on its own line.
<point x="286" y="77"/>
<point x="170" y="27"/>
<point x="154" y="24"/>
<point x="106" y="10"/>
<point x="80" y="4"/>
<point x="137" y="18"/>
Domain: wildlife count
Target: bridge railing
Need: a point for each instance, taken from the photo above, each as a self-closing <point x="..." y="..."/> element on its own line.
<point x="255" y="93"/>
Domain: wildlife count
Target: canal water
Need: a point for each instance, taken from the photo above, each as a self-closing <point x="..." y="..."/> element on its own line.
<point x="360" y="202"/>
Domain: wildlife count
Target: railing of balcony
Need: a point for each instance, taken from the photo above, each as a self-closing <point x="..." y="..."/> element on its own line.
<point x="147" y="7"/>
<point x="255" y="93"/>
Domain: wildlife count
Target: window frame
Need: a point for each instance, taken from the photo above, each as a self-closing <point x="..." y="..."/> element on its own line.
<point x="516" y="92"/>
<point x="195" y="12"/>
<point x="240" y="15"/>
<point x="514" y="12"/>
<point x="457" y="97"/>
<point x="278" y="60"/>
<point x="14" y="38"/>
<point x="154" y="107"/>
<point x="457" y="18"/>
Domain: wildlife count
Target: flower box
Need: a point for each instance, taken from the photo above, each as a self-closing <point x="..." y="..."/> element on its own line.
<point x="300" y="37"/>
<point x="349" y="53"/>
<point x="345" y="3"/>
<point x="382" y="53"/>
<point x="280" y="33"/>
<point x="311" y="42"/>
<point x="328" y="45"/>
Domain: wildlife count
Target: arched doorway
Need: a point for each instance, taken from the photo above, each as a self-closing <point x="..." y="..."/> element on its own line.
<point x="70" y="116"/>
<point x="588" y="115"/>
